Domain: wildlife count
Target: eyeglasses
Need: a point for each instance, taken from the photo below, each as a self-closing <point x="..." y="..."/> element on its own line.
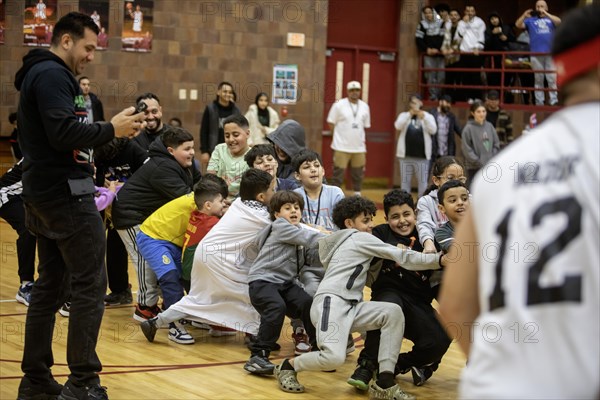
<point x="462" y="179"/>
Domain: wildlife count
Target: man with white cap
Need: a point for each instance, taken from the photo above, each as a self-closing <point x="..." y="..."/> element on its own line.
<point x="348" y="119"/>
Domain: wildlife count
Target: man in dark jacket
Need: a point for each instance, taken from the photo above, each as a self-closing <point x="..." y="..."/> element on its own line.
<point x="429" y="38"/>
<point x="444" y="143"/>
<point x="154" y="125"/>
<point x="93" y="105"/>
<point x="58" y="193"/>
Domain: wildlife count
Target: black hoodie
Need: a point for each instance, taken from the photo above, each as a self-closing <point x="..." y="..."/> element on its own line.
<point x="53" y="134"/>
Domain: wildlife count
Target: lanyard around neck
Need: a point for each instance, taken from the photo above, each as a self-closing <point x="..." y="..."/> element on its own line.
<point x="309" y="211"/>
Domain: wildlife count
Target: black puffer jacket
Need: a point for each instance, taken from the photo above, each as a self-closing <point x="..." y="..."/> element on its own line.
<point x="160" y="180"/>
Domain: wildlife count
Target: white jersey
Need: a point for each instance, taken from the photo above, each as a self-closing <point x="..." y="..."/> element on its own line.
<point x="537" y="219"/>
<point x="350" y="121"/>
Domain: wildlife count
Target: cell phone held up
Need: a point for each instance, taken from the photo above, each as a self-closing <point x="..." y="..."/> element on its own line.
<point x="140" y="107"/>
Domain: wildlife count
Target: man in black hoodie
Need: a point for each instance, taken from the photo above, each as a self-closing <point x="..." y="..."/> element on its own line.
<point x="58" y="193"/>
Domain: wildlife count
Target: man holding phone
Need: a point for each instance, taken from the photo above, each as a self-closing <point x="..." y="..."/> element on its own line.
<point x="58" y="193"/>
<point x="414" y="149"/>
<point x="150" y="105"/>
<point x="541" y="26"/>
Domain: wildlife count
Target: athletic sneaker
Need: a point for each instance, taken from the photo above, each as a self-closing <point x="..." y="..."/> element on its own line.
<point x="142" y="313"/>
<point x="421" y="375"/>
<point x="260" y="365"/>
<point x="65" y="310"/>
<point x="149" y="328"/>
<point x="391" y="393"/>
<point x="91" y="392"/>
<point x="29" y="390"/>
<point x="301" y="342"/>
<point x="178" y="334"/>
<point x="217" y="331"/>
<point x="116" y="299"/>
<point x="362" y="375"/>
<point x="24" y="293"/>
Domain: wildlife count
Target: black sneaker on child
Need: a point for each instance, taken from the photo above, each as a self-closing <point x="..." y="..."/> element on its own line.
<point x="259" y="364"/>
<point x="90" y="392"/>
<point x="362" y="375"/>
<point x="149" y="328"/>
<point x="421" y="375"/>
<point x="116" y="299"/>
<point x="30" y="391"/>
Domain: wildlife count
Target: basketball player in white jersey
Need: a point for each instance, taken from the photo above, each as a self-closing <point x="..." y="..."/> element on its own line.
<point x="522" y="295"/>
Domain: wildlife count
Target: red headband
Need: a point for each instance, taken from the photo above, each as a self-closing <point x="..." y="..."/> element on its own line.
<point x="577" y="60"/>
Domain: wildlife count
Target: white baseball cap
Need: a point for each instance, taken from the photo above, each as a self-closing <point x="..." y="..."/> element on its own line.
<point x="353" y="85"/>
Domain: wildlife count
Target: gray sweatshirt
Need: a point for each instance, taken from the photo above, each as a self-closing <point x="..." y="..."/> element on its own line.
<point x="281" y="251"/>
<point x="479" y="144"/>
<point x="347" y="255"/>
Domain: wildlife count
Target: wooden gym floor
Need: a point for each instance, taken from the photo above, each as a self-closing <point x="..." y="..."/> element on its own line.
<point x="210" y="369"/>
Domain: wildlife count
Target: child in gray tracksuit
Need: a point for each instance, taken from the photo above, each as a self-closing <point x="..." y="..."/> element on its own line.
<point x="338" y="308"/>
<point x="273" y="290"/>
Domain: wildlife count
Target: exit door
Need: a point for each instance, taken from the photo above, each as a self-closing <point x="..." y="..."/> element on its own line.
<point x="376" y="71"/>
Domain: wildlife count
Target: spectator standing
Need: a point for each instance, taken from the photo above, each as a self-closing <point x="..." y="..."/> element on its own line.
<point x="499" y="118"/>
<point x="541" y="26"/>
<point x="347" y="120"/>
<point x="450" y="49"/>
<point x="430" y="37"/>
<point x="211" y="128"/>
<point x="93" y="105"/>
<point x="497" y="37"/>
<point x="471" y="32"/>
<point x="262" y="118"/>
<point x="444" y="144"/>
<point x="415" y="144"/>
<point x="58" y="193"/>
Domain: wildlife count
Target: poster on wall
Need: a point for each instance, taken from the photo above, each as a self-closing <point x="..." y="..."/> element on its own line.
<point x="98" y="10"/>
<point x="285" y="87"/>
<point x="137" y="25"/>
<point x="39" y="18"/>
<point x="2" y="21"/>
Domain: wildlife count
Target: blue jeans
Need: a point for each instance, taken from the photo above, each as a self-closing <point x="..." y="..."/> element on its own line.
<point x="71" y="248"/>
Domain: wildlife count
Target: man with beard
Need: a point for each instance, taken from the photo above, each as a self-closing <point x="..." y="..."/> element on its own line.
<point x="155" y="125"/>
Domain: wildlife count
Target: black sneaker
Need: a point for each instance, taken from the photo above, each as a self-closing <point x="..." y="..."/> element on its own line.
<point x="149" y="329"/>
<point x="259" y="365"/>
<point x="91" y="392"/>
<point x="30" y="391"/>
<point x="362" y="375"/>
<point x="420" y="375"/>
<point x="116" y="299"/>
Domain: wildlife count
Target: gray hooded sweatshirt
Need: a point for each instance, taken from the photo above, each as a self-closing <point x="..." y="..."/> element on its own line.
<point x="347" y="255"/>
<point x="282" y="251"/>
<point x="291" y="138"/>
<point x="479" y="144"/>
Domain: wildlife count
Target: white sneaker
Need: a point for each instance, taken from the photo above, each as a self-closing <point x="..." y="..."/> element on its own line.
<point x="178" y="334"/>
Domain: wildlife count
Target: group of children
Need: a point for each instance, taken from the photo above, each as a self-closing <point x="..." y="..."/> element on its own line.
<point x="252" y="242"/>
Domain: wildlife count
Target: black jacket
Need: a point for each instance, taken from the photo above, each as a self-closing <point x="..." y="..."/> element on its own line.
<point x="453" y="128"/>
<point x="291" y="138"/>
<point x="211" y="128"/>
<point x="97" y="108"/>
<point x="55" y="140"/>
<point x="145" y="138"/>
<point x="160" y="180"/>
<point x="117" y="160"/>
<point x="407" y="283"/>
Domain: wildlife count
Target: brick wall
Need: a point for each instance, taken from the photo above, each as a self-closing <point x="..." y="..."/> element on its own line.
<point x="196" y="45"/>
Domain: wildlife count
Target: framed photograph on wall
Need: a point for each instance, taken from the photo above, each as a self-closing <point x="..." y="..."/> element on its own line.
<point x="2" y="20"/>
<point x="137" y="25"/>
<point x="98" y="10"/>
<point x="39" y="18"/>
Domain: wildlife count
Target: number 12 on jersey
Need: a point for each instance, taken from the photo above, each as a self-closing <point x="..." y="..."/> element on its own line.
<point x="570" y="289"/>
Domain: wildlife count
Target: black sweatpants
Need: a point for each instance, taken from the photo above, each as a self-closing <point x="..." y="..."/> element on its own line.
<point x="422" y="327"/>
<point x="274" y="301"/>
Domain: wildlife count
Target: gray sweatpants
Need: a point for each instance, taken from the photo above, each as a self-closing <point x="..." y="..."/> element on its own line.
<point x="334" y="318"/>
